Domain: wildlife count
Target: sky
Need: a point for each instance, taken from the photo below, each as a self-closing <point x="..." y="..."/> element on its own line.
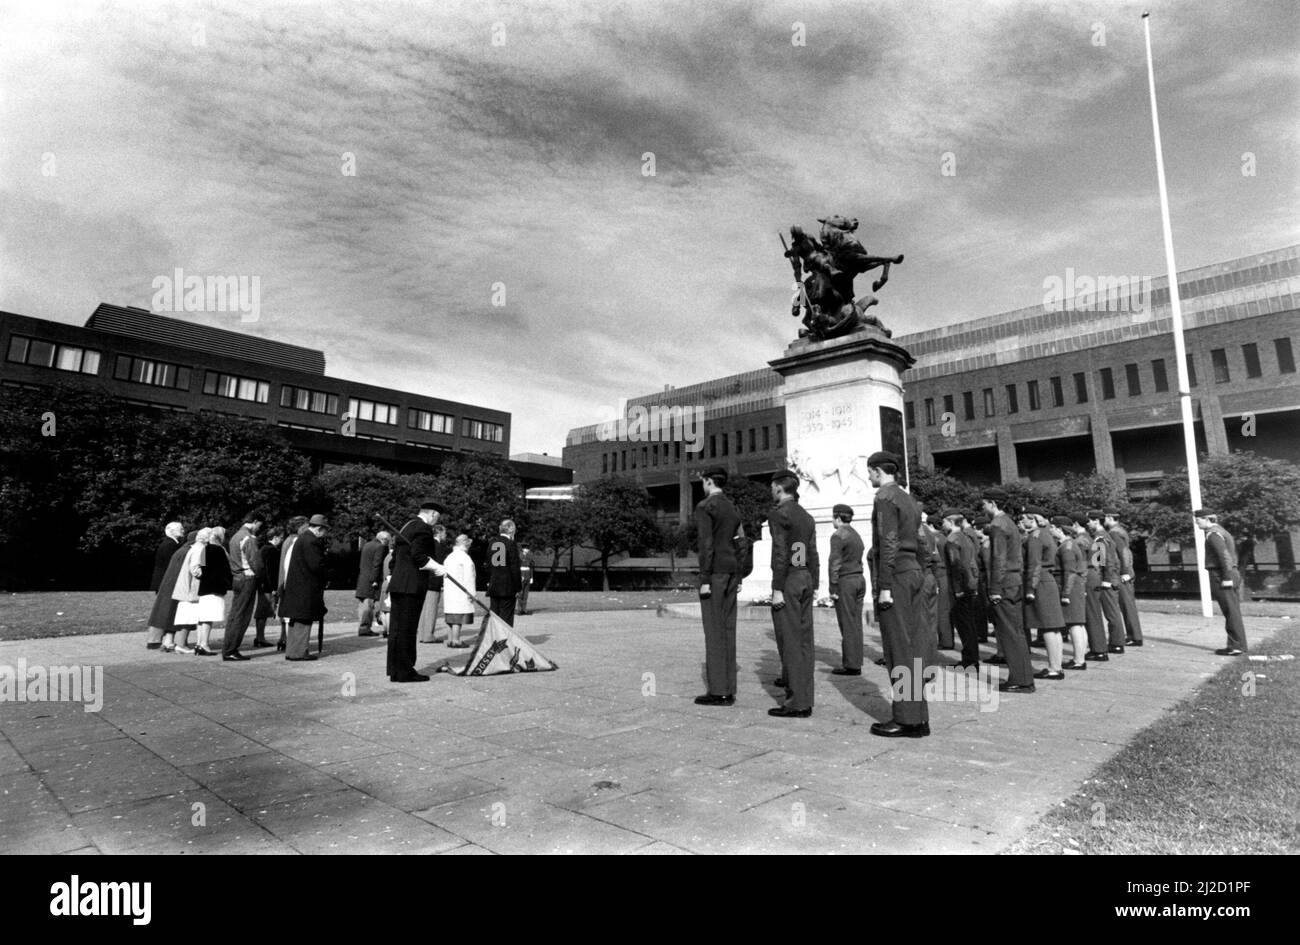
<point x="455" y="199"/>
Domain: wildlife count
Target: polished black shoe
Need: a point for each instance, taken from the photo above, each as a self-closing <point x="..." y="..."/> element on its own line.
<point x="1075" y="665"/>
<point x="1132" y="642"/>
<point x="153" y="646"/>
<point x="842" y="671"/>
<point x="235" y="657"/>
<point x="880" y="662"/>
<point x="367" y="633"/>
<point x="1092" y="657"/>
<point x="785" y="712"/>
<point x="414" y="677"/>
<point x="280" y="647"/>
<point x="1014" y="687"/>
<point x="1229" y="651"/>
<point x="711" y="699"/>
<point x="1048" y="674"/>
<point x="203" y="651"/>
<point x="309" y="658"/>
<point x="898" y="730"/>
<point x="258" y="644"/>
<point x="1118" y="650"/>
<point x="780" y="681"/>
<point x="997" y="660"/>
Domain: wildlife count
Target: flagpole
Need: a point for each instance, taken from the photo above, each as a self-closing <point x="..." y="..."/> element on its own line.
<point x="1180" y="350"/>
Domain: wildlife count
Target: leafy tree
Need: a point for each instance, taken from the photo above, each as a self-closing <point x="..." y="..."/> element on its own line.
<point x="356" y="494"/>
<point x="937" y="490"/>
<point x="753" y="502"/>
<point x="480" y="491"/>
<point x="616" y="516"/>
<point x="555" y="529"/>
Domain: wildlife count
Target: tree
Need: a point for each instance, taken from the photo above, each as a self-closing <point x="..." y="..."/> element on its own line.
<point x="480" y="491"/>
<point x="354" y="495"/>
<point x="555" y="529"/>
<point x="753" y="502"/>
<point x="615" y="515"/>
<point x="937" y="490"/>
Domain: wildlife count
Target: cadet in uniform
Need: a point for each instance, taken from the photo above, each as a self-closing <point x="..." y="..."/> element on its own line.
<point x="1006" y="590"/>
<point x="1103" y="574"/>
<point x="1128" y="607"/>
<point x="1225" y="580"/>
<point x="848" y="589"/>
<point x="1042" y="590"/>
<point x="1070" y="570"/>
<point x="717" y="522"/>
<point x="964" y="582"/>
<point x="795" y="573"/>
<point x="909" y="638"/>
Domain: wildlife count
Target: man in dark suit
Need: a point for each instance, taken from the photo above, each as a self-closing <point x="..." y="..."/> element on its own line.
<point x="795" y="568"/>
<point x="412" y="556"/>
<point x="369" y="576"/>
<point x="245" y="568"/>
<point x="162" y="556"/>
<point x="1006" y="592"/>
<point x="304" y="588"/>
<point x="297" y="525"/>
<point x="1225" y="579"/>
<point x="848" y="589"/>
<point x="716" y="523"/>
<point x="910" y="640"/>
<point x="504" y="580"/>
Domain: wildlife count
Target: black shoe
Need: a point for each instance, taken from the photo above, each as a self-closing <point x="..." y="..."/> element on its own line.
<point x="258" y="644"/>
<point x="781" y="682"/>
<point x="153" y="646"/>
<point x="1013" y="687"/>
<point x="997" y="660"/>
<point x="711" y="699"/>
<point x="203" y="651"/>
<point x="280" y="647"/>
<point x="899" y="730"/>
<point x="1132" y="642"/>
<point x="1092" y="657"/>
<point x="785" y="712"/>
<point x="309" y="658"/>
<point x="880" y="662"/>
<point x="367" y="633"/>
<point x="235" y="657"/>
<point x="967" y="664"/>
<point x="1118" y="650"/>
<point x="1075" y="665"/>
<point x="384" y="634"/>
<point x="414" y="677"/>
<point x="843" y="671"/>
<point x="1229" y="651"/>
<point x="1048" y="674"/>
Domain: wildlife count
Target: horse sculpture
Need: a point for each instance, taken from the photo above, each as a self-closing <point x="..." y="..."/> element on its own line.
<point x="824" y="271"/>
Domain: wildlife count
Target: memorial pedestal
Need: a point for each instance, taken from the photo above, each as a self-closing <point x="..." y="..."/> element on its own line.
<point x="843" y="402"/>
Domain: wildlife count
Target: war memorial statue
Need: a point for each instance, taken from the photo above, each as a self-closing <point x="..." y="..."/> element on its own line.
<point x="824" y="271"/>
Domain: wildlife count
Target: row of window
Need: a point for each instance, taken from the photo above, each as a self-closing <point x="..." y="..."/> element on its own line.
<point x="32" y="351"/>
<point x="1106" y="376"/>
<point x="719" y="445"/>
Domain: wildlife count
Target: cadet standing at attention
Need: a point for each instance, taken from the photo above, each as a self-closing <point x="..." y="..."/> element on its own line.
<point x="794" y="583"/>
<point x="848" y="589"/>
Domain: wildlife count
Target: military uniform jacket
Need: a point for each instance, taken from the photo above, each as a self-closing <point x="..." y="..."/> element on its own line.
<point x="963" y="563"/>
<point x="895" y="525"/>
<point x="793" y="530"/>
<point x="1220" y="552"/>
<point x="1121" y="539"/>
<point x="846" y="554"/>
<point x="716" y="523"/>
<point x="928" y="546"/>
<point x="1005" y="561"/>
<point x="1040" y="555"/>
<point x="1103" y="559"/>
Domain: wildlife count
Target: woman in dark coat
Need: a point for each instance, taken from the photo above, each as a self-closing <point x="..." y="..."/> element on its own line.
<point x="267" y="585"/>
<point x="1040" y="560"/>
<point x="214" y="584"/>
<point x="162" y="619"/>
<point x="1071" y="574"/>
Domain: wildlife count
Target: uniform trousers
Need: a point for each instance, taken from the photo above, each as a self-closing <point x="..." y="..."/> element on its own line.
<point x="1230" y="604"/>
<point x="852" y="590"/>
<point x="910" y="642"/>
<point x="793" y="624"/>
<point x="1008" y="617"/>
<point x="1128" y="608"/>
<point x="719" y="613"/>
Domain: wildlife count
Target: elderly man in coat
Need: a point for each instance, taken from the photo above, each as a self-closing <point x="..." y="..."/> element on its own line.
<point x="303" y="602"/>
<point x="162" y="557"/>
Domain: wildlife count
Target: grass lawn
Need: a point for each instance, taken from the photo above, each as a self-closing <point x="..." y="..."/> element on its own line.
<point x="1219" y="774"/>
<point x="71" y="613"/>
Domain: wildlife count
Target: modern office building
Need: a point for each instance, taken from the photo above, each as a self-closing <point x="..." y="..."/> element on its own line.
<point x="1089" y="383"/>
<point x="165" y="363"/>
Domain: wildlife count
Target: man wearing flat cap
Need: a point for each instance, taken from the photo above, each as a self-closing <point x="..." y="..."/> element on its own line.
<point x="848" y="589"/>
<point x="303" y="601"/>
<point x="1006" y="592"/>
<point x="1127" y="597"/>
<point x="1225" y="580"/>
<point x="413" y="554"/>
<point x="795" y="573"/>
<point x="906" y="635"/>
<point x="717" y="523"/>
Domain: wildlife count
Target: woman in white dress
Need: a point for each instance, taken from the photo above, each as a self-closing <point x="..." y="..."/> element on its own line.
<point x="186" y="592"/>
<point x="457" y="605"/>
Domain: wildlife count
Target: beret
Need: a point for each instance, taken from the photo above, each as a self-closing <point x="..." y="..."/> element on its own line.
<point x="1062" y="521"/>
<point x="715" y="473"/>
<point x="843" y="511"/>
<point x="884" y="456"/>
<point x="1095" y="513"/>
<point x="1031" y="510"/>
<point x="953" y="513"/>
<point x="995" y="494"/>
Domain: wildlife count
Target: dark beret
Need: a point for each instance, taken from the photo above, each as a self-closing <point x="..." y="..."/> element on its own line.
<point x="716" y="473"/>
<point x="1095" y="513"/>
<point x="1032" y="510"/>
<point x="981" y="521"/>
<point x="1062" y="521"/>
<point x="953" y="513"/>
<point x="434" y="507"/>
<point x="1111" y="512"/>
<point x="843" y="511"/>
<point x="1203" y="513"/>
<point x="995" y="494"/>
<point x="881" y="457"/>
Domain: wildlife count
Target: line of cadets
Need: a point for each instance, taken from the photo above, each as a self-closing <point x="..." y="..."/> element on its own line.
<point x="935" y="581"/>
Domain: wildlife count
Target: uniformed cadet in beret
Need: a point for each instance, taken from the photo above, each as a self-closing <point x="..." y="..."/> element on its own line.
<point x="1071" y="570"/>
<point x="1225" y="580"/>
<point x="1103" y="575"/>
<point x="717" y="523"/>
<point x="1127" y="596"/>
<point x="848" y="589"/>
<point x="962" y="552"/>
<point x="1006" y="593"/>
<point x="1042" y="590"/>
<point x="795" y="574"/>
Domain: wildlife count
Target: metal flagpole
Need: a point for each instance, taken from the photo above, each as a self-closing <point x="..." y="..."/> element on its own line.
<point x="1180" y="350"/>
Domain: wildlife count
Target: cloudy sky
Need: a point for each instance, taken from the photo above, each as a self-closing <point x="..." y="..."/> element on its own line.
<point x="504" y="144"/>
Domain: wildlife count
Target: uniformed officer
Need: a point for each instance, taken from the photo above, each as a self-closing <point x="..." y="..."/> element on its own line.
<point x="1225" y="580"/>
<point x="909" y="638"/>
<point x="795" y="573"/>
<point x="848" y="589"/>
<point x="1042" y="590"/>
<point x="1103" y="575"/>
<point x="943" y="604"/>
<point x="1070" y="571"/>
<point x="717" y="523"/>
<point x="928" y="549"/>
<point x="964" y="583"/>
<point x="1127" y="596"/>
<point x="975" y="531"/>
<point x="1006" y="592"/>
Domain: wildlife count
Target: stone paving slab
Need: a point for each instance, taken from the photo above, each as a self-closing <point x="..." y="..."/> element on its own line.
<point x="607" y="755"/>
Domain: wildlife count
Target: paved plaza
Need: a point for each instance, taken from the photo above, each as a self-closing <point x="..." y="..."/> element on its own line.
<point x="607" y="755"/>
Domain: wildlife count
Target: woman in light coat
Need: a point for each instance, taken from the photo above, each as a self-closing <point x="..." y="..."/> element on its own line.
<point x="457" y="605"/>
<point x="186" y="592"/>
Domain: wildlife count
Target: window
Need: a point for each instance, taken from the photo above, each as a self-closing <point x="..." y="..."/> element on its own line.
<point x="1191" y="370"/>
<point x="989" y="409"/>
<point x="481" y="430"/>
<point x="1251" y="353"/>
<point x="1285" y="358"/>
<point x="968" y="404"/>
<point x="373" y="412"/>
<point x="753" y="440"/>
<point x="1159" y="374"/>
<point x="604" y="463"/>
<point x="624" y="460"/>
<point x="1081" y="388"/>
<point x="315" y="401"/>
<point x="713" y="445"/>
<point x="432" y="422"/>
<point x="1219" y="358"/>
<point x="907" y="411"/>
<point x="740" y="442"/>
<point x="645" y="451"/>
<point x="1013" y="405"/>
<point x="236" y="388"/>
<point x="766" y="440"/>
<point x="1058" y="393"/>
<point x="1134" y="380"/>
<point x="947" y="405"/>
<point x="1034" y="402"/>
<point x="726" y="443"/>
<point x="1107" y="384"/>
<point x="929" y="411"/>
<point x="655" y="454"/>
<point x="157" y="373"/>
<point x="47" y="354"/>
<point x="780" y="435"/>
